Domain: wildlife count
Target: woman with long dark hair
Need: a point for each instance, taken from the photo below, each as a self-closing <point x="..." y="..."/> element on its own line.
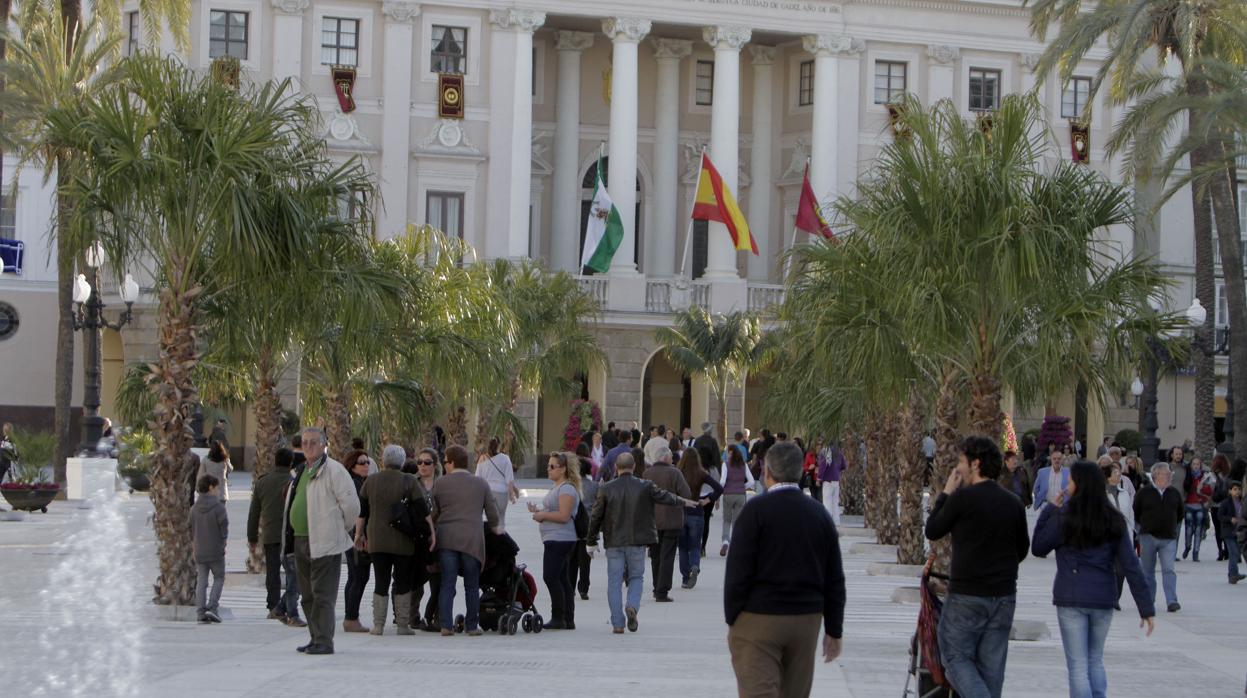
<point x="217" y="464"/>
<point x="736" y="479"/>
<point x="1220" y="491"/>
<point x="704" y="488"/>
<point x="1091" y="540"/>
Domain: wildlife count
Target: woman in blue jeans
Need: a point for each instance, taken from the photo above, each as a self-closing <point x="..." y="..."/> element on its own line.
<point x="706" y="490"/>
<point x="1091" y="540"/>
<point x="556" y="518"/>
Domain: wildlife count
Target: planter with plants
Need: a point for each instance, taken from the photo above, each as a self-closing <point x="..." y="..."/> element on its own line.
<point x="134" y="458"/>
<point x="30" y="486"/>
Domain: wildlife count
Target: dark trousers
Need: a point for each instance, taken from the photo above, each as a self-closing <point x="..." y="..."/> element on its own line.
<point x="705" y="529"/>
<point x="556" y="573"/>
<point x="357" y="573"/>
<point x="272" y="575"/>
<point x="422" y="577"/>
<point x="318" y="581"/>
<point x="387" y="566"/>
<point x="581" y="562"/>
<point x="1216" y="530"/>
<point x="662" y="560"/>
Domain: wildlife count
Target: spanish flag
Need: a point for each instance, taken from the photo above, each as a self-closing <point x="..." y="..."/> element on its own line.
<point x="714" y="202"/>
<point x="809" y="216"/>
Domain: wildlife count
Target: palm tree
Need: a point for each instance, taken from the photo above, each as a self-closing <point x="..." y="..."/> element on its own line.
<point x="253" y="326"/>
<point x="553" y="341"/>
<point x="55" y="64"/>
<point x="185" y="174"/>
<point x="1199" y="34"/>
<point x="719" y="348"/>
<point x="1026" y="303"/>
<point x="375" y="369"/>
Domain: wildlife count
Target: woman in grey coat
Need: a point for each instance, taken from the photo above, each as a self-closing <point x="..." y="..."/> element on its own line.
<point x="217" y="464"/>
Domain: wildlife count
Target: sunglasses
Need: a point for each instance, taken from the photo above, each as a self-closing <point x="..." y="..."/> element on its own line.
<point x="424" y="462"/>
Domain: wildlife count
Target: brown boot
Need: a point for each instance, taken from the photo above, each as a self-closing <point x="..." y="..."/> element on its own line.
<point x="354" y="626"/>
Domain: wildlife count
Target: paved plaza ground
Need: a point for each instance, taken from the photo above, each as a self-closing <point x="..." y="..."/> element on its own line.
<point x="60" y="609"/>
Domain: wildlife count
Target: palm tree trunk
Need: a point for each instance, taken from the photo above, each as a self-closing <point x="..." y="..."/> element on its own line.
<point x="457" y="426"/>
<point x="482" y="429"/>
<point x="268" y="434"/>
<point x="853" y="481"/>
<point x="6" y="7"/>
<point x="873" y="483"/>
<point x="889" y="532"/>
<point x="986" y="417"/>
<point x="881" y="478"/>
<point x="1205" y="291"/>
<point x="338" y="422"/>
<point x="175" y="465"/>
<point x="63" y="382"/>
<point x="1223" y="190"/>
<point x="947" y="437"/>
<point x="508" y="439"/>
<point x="911" y="543"/>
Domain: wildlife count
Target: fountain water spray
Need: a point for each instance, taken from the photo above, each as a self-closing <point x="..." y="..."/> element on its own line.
<point x="93" y="599"/>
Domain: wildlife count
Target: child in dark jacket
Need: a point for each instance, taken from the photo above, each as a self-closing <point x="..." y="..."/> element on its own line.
<point x="1231" y="514"/>
<point x="209" y="531"/>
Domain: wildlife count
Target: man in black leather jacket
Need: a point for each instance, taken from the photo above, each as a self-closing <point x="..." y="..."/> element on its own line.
<point x="624" y="514"/>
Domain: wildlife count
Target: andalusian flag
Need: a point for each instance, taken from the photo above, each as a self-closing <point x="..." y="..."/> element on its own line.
<point x="605" y="229"/>
<point x="715" y="202"/>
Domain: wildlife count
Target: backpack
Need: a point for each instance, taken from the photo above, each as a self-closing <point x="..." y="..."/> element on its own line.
<point x="407" y="515"/>
<point x="582" y="521"/>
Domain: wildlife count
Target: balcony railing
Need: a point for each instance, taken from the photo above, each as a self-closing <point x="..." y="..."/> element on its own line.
<point x="663" y="296"/>
<point x="764" y="298"/>
<point x="595" y="286"/>
<point x="658" y="296"/>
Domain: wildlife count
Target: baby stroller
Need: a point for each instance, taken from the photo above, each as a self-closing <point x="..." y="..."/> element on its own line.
<point x="926" y="671"/>
<point x="507" y="590"/>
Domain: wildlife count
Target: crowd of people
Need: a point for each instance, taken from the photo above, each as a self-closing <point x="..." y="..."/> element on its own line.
<point x="1110" y="523"/>
<point x="420" y="522"/>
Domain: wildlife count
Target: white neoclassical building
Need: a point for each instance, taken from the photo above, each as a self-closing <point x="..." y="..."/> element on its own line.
<point x="762" y="85"/>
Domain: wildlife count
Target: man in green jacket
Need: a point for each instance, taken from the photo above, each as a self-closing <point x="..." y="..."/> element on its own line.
<point x="264" y="527"/>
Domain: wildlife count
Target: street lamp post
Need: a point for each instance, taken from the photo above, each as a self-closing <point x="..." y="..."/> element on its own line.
<point x="89" y="318"/>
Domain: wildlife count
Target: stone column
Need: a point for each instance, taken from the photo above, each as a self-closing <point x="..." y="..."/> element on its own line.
<point x="941" y="72"/>
<point x="850" y="83"/>
<point x="288" y="38"/>
<point x="565" y="246"/>
<point x="509" y="175"/>
<point x="761" y="189"/>
<point x="396" y="116"/>
<point x="660" y="257"/>
<point x="725" y="137"/>
<point x="825" y="131"/>
<point x="625" y="34"/>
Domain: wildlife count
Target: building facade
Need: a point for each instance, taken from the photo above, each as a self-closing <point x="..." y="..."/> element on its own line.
<point x="549" y="89"/>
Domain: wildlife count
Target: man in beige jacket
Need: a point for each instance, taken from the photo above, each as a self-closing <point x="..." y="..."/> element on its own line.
<point x="321" y="509"/>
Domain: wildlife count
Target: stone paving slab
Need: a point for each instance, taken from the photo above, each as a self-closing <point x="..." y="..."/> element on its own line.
<point x="680" y="650"/>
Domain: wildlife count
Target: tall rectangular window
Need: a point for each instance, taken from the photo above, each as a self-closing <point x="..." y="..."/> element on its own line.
<point x="704" y="83"/>
<point x="228" y="34"/>
<point x="8" y="216"/>
<point x="1222" y="316"/>
<point x="1074" y="98"/>
<point x="444" y="211"/>
<point x="133" y="33"/>
<point x="984" y="89"/>
<point x="805" y="84"/>
<point x="450" y="49"/>
<point x="339" y="41"/>
<point x="890" y="81"/>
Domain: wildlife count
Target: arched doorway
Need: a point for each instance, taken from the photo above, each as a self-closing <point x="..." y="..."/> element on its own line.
<point x="552" y="417"/>
<point x="587" y="183"/>
<point x="666" y="394"/>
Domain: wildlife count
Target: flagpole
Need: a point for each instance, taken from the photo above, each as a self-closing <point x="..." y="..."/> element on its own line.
<point x="688" y="236"/>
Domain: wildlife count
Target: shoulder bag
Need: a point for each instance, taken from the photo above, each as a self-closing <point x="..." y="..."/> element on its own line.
<point x="408" y="515"/>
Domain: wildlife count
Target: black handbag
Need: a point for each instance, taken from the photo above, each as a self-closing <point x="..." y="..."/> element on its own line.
<point x="409" y="515"/>
<point x="582" y="521"/>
